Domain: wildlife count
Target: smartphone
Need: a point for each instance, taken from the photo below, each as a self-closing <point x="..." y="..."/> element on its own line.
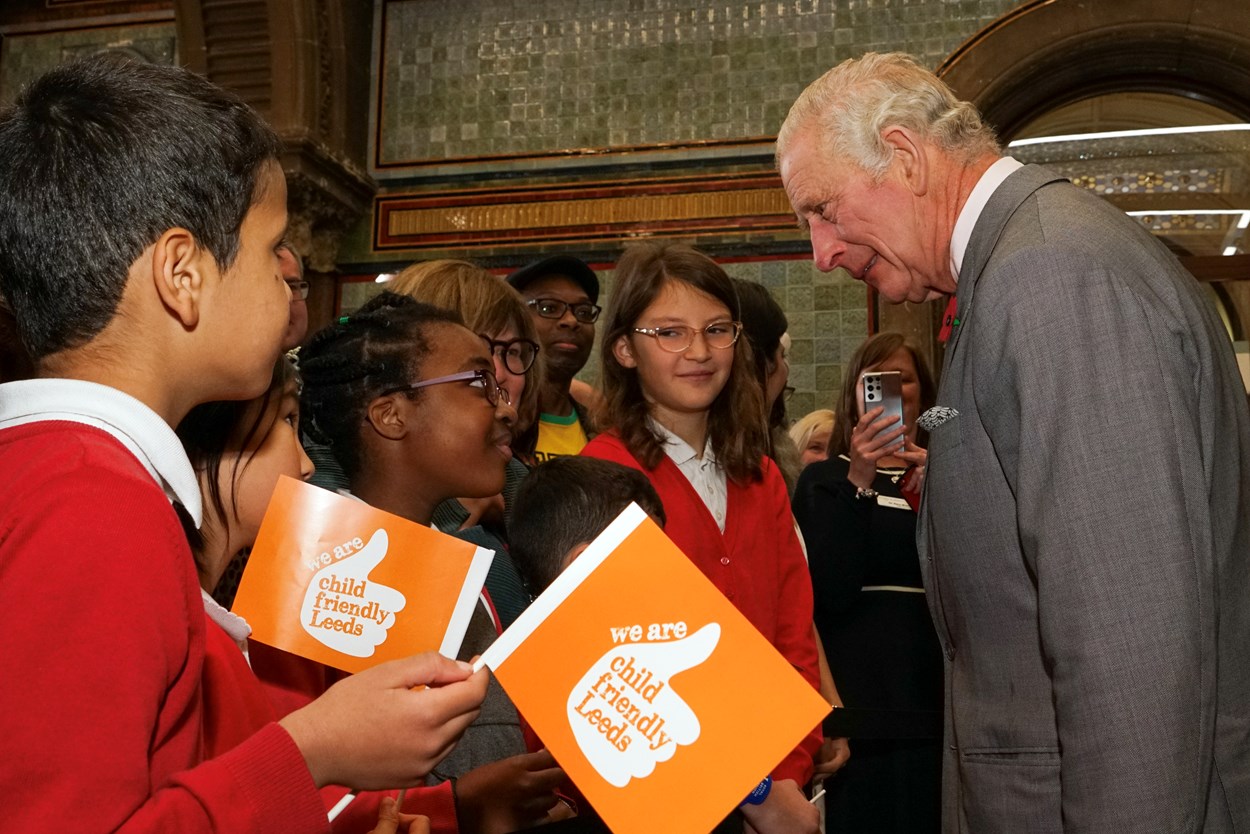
<point x="884" y="388"/>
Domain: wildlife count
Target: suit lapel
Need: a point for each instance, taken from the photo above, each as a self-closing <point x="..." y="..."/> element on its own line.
<point x="1003" y="203"/>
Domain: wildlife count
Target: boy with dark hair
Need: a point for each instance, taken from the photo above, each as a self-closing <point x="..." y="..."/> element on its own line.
<point x="140" y="213"/>
<point x="563" y="505"/>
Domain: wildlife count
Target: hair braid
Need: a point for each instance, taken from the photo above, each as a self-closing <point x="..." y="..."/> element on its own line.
<point x="349" y="363"/>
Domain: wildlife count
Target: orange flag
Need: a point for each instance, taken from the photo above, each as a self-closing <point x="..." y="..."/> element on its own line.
<point x="657" y="697"/>
<point x="337" y="581"/>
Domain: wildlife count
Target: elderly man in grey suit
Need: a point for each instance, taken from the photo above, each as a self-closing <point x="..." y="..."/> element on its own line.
<point x="1085" y="527"/>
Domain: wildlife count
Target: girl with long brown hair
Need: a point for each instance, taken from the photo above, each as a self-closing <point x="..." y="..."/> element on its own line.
<point x="682" y="405"/>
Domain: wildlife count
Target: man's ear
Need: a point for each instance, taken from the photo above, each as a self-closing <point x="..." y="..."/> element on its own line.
<point x="387" y="417"/>
<point x="178" y="267"/>
<point x="910" y="156"/>
<point x="623" y="351"/>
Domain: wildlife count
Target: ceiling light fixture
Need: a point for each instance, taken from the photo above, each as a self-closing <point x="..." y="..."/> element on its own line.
<point x="1125" y="134"/>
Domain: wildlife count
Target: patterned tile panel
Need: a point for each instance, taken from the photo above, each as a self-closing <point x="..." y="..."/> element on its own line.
<point x="525" y="79"/>
<point x="26" y="56"/>
<point x="606" y="211"/>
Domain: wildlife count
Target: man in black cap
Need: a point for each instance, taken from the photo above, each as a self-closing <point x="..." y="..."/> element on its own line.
<point x="561" y="292"/>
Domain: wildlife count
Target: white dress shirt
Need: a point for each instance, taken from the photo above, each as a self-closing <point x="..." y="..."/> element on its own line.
<point x="704" y="473"/>
<point x="137" y="427"/>
<point x="971" y="212"/>
<point x="234" y="625"/>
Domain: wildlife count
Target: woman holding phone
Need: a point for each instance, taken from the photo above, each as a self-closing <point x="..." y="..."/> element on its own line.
<point x="870" y="607"/>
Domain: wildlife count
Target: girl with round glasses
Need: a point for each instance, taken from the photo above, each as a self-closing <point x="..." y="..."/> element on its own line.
<point x="406" y="398"/>
<point x="682" y="405"/>
<point x="495" y="311"/>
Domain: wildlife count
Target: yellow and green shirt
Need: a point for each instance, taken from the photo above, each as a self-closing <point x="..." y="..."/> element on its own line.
<point x="559" y="436"/>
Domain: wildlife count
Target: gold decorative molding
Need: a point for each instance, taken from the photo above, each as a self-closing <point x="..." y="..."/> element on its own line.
<point x="596" y="211"/>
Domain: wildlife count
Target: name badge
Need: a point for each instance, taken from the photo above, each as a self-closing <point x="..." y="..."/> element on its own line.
<point x="892" y="502"/>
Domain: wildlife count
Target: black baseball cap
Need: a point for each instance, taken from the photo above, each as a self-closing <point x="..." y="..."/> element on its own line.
<point x="575" y="269"/>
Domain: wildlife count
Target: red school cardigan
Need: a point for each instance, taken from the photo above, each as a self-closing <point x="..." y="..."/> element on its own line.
<point x="756" y="563"/>
<point x="104" y="646"/>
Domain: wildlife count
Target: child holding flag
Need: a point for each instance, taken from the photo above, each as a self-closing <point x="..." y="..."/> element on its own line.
<point x="142" y="212"/>
<point x="405" y="397"/>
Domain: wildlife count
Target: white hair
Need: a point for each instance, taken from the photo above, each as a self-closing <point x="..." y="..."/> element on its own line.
<point x="855" y="101"/>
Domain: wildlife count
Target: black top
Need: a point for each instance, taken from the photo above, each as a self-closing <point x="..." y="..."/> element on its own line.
<point x="880" y="643"/>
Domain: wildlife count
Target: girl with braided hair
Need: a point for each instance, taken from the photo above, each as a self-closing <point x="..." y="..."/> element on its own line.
<point x="239" y="450"/>
<point x="406" y="399"/>
<point x="359" y="400"/>
<point x="495" y="311"/>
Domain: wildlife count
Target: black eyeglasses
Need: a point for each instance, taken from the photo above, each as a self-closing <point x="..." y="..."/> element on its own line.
<point x="554" y="308"/>
<point x="676" y="338"/>
<point x="481" y="379"/>
<point x="518" y="354"/>
<point x="787" y="392"/>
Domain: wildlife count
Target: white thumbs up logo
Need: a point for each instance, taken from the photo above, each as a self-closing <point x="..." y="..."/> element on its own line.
<point x="624" y="713"/>
<point x="346" y="611"/>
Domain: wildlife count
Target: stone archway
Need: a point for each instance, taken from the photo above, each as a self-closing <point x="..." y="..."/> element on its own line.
<point x="1048" y="53"/>
<point x="1052" y="52"/>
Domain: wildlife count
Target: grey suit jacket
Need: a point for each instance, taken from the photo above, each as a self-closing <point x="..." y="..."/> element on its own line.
<point x="1085" y="531"/>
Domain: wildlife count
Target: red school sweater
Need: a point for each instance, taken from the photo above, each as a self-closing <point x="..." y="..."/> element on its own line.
<point x="237" y="704"/>
<point x="756" y="563"/>
<point x="100" y="696"/>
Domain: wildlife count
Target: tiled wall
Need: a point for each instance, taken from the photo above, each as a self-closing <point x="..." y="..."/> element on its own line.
<point x="828" y="316"/>
<point x="529" y="76"/>
<point x="518" y="81"/>
<point x="24" y="57"/>
<point x="505" y="86"/>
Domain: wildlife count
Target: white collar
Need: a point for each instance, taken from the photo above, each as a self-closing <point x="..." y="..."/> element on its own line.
<point x="679" y="450"/>
<point x="231" y="623"/>
<point x="971" y="212"/>
<point x="133" y="424"/>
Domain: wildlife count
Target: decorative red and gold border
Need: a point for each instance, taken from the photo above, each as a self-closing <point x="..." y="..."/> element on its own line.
<point x="690" y="205"/>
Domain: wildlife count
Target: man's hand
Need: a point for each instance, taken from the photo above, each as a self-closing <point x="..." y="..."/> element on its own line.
<point x="372" y="731"/>
<point x="508" y="795"/>
<point x="785" y="811"/>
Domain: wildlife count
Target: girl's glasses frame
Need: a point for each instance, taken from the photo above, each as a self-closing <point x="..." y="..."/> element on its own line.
<point x="517" y="361"/>
<point x="678" y="338"/>
<point x="491" y="388"/>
